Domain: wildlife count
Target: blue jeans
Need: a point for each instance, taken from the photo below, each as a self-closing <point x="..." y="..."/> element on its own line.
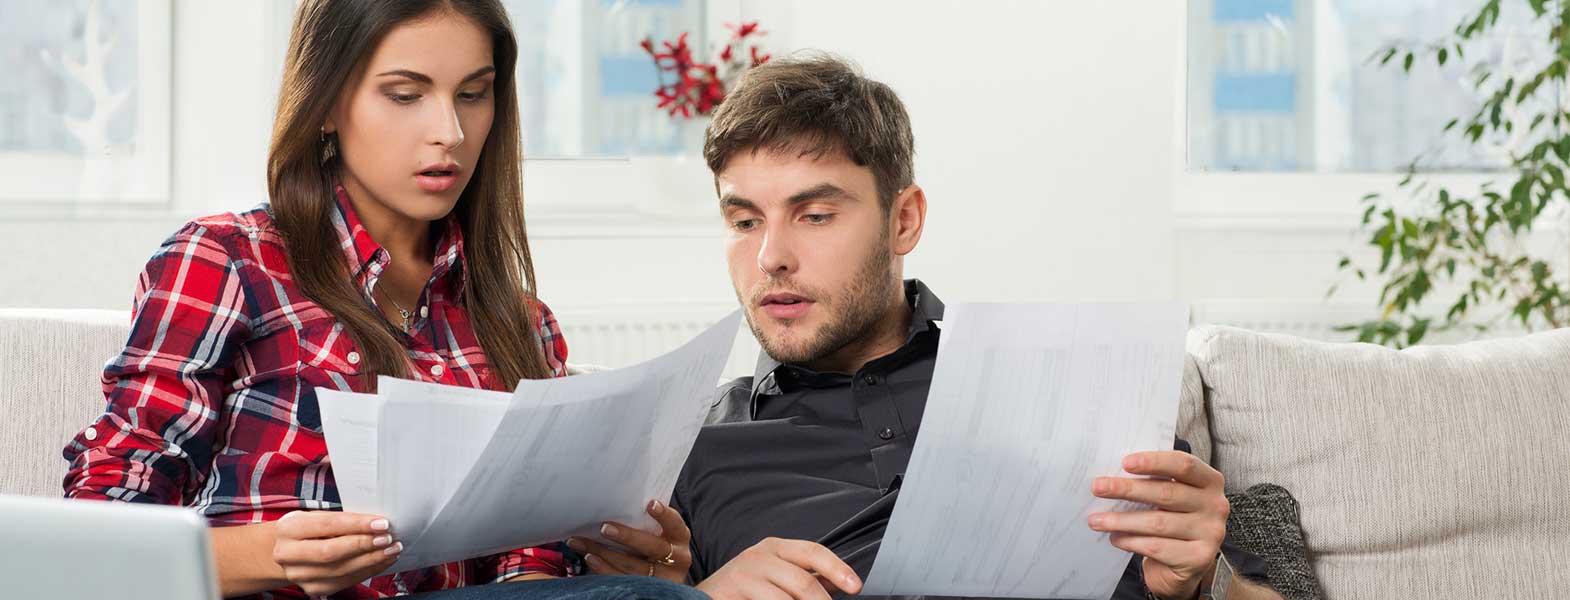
<point x="593" y="587"/>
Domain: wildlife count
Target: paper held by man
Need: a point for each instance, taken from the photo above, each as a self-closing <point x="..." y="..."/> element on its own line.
<point x="1028" y="404"/>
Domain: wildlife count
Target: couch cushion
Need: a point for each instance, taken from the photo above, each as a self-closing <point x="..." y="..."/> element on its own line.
<point x="50" y="365"/>
<point x="1193" y="424"/>
<point x="1430" y="472"/>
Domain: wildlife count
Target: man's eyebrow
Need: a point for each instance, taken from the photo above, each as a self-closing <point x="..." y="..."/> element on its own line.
<point x="426" y="79"/>
<point x="822" y="191"/>
<point x="732" y="201"/>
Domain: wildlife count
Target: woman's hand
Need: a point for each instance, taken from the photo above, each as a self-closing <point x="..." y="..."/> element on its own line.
<point x="664" y="554"/>
<point x="326" y="551"/>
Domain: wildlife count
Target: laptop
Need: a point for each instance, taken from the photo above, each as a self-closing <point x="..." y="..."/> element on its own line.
<point x="54" y="548"/>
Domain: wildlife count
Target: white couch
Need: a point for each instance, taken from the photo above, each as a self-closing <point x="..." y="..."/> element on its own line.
<point x="1434" y="472"/>
<point x="50" y="363"/>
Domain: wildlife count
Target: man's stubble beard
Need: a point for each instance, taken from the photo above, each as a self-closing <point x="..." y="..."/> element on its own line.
<point x="865" y="304"/>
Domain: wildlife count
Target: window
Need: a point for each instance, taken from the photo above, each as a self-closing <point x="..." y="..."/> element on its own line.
<point x="1288" y="85"/>
<point x="84" y="117"/>
<point x="586" y="87"/>
<point x="77" y="139"/>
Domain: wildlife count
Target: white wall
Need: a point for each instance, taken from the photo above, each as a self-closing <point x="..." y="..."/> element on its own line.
<point x="1049" y="140"/>
<point x="1041" y="133"/>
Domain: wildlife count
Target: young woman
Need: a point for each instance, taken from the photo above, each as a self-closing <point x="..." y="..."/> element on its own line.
<point x="394" y="245"/>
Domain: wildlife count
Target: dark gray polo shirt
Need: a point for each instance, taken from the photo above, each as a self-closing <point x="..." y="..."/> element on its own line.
<point x="796" y="454"/>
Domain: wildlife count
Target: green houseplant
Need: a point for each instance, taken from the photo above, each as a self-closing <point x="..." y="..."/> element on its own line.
<point x="1474" y="249"/>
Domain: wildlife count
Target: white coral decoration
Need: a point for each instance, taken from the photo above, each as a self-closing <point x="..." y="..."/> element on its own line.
<point x="92" y="131"/>
<point x="92" y="72"/>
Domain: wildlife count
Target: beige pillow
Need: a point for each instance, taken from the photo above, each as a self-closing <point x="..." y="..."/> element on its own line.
<point x="1432" y="472"/>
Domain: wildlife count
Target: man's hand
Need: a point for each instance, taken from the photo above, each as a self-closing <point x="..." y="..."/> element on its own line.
<point x="640" y="552"/>
<point x="324" y="552"/>
<point x="775" y="569"/>
<point x="1180" y="539"/>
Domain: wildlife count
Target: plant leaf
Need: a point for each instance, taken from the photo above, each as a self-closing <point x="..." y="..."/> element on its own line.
<point x="1415" y="333"/>
<point x="1389" y="54"/>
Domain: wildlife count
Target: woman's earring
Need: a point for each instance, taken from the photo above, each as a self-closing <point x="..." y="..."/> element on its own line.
<point x="329" y="146"/>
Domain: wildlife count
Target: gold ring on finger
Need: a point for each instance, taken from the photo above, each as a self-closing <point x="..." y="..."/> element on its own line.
<point x="670" y="557"/>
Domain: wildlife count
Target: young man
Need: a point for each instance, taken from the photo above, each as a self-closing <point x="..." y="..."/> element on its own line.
<point x="788" y="490"/>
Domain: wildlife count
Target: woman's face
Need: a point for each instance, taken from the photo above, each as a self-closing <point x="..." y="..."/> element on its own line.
<point x="412" y="119"/>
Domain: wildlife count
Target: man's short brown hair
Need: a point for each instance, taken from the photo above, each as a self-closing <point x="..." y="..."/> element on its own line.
<point x="816" y="104"/>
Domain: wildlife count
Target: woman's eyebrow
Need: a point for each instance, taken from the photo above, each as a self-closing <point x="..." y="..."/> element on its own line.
<point x="480" y="72"/>
<point x="426" y="79"/>
<point x="407" y="74"/>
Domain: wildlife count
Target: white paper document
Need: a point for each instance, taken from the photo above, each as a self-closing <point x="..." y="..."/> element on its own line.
<point x="1028" y="405"/>
<point x="350" y="422"/>
<point x="462" y="473"/>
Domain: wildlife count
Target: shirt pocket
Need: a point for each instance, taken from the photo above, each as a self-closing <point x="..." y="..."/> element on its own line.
<point x="328" y="358"/>
<point x="485" y="378"/>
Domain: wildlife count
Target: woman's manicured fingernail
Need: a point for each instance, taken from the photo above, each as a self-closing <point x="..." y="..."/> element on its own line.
<point x="1101" y="486"/>
<point x="610" y="531"/>
<point x="850" y="580"/>
<point x="396" y="548"/>
<point x="576" y="544"/>
<point x="655" y="508"/>
<point x="1097" y="521"/>
<point x="382" y="541"/>
<point x="380" y="525"/>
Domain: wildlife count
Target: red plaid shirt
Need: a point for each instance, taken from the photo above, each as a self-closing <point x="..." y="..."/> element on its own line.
<point x="212" y="406"/>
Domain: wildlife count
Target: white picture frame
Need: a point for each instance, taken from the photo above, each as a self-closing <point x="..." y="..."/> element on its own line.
<point x="139" y="176"/>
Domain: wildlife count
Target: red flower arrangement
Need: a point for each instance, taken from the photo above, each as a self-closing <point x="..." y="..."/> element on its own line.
<point x="699" y="87"/>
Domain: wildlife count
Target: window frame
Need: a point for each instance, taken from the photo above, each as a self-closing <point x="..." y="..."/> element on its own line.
<point x="641" y="196"/>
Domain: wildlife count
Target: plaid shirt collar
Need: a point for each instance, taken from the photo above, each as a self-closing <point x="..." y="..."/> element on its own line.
<point x="367" y="259"/>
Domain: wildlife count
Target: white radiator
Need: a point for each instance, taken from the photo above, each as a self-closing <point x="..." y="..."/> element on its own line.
<point x="1312" y="320"/>
<point x="1318" y="320"/>
<point x="612" y="336"/>
<point x="618" y="336"/>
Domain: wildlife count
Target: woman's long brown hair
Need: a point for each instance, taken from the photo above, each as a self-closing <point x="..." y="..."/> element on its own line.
<point x="329" y="39"/>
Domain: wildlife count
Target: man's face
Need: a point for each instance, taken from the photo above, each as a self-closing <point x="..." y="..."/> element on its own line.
<point x="809" y="250"/>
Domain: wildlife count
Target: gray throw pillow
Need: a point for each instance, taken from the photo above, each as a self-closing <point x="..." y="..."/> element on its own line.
<point x="1264" y="522"/>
